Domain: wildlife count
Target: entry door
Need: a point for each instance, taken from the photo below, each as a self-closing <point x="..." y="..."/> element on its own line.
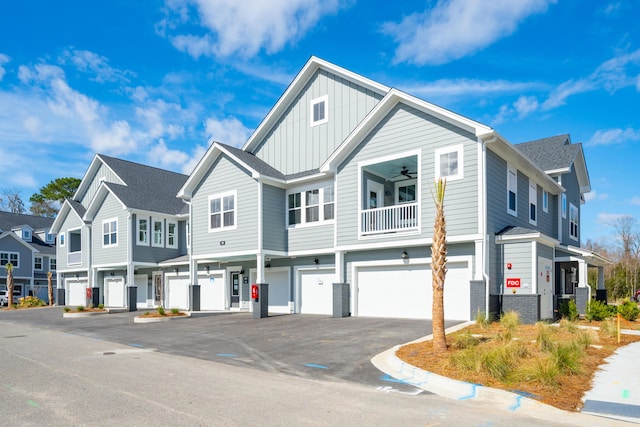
<point x="157" y="289"/>
<point x="545" y="287"/>
<point x="235" y="289"/>
<point x="375" y="195"/>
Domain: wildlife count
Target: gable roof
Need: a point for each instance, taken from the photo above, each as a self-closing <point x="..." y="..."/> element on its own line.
<point x="12" y="235"/>
<point x="69" y="205"/>
<point x="302" y="78"/>
<point x="10" y="220"/>
<point x="556" y="155"/>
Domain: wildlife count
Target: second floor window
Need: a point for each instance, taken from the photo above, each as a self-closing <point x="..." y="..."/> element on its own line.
<point x="533" y="203"/>
<point x="172" y="235"/>
<point x="573" y="221"/>
<point x="545" y="201"/>
<point x="222" y="211"/>
<point x="37" y="263"/>
<point x="315" y="205"/>
<point x="9" y="257"/>
<point x="53" y="264"/>
<point x="448" y="163"/>
<point x="110" y="232"/>
<point x="143" y="231"/>
<point x="512" y="191"/>
<point x="158" y="232"/>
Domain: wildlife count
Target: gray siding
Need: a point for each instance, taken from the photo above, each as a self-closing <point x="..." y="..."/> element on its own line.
<point x="312" y="237"/>
<point x="150" y="253"/>
<point x="570" y="183"/>
<point x="72" y="222"/>
<point x="102" y="172"/>
<point x="293" y="145"/>
<point x="109" y="208"/>
<point x="225" y="175"/>
<point x="520" y="257"/>
<point x="274" y="217"/>
<point x="25" y="257"/>
<point x="406" y="129"/>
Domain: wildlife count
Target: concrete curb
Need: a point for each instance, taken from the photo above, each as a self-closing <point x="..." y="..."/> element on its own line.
<point x="392" y="365"/>
<point x="77" y="314"/>
<point x="144" y="319"/>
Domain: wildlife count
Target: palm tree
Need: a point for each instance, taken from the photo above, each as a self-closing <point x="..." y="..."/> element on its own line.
<point x="50" y="287"/>
<point x="438" y="268"/>
<point x="9" y="268"/>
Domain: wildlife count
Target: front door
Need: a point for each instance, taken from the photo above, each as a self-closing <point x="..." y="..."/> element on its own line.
<point x="375" y="195"/>
<point x="235" y="289"/>
<point x="157" y="289"/>
<point x="545" y="287"/>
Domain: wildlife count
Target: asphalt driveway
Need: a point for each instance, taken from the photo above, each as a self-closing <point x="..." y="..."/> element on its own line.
<point x="302" y="345"/>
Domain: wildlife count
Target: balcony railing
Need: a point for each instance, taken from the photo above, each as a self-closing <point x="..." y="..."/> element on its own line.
<point x="389" y="219"/>
<point x="74" y="258"/>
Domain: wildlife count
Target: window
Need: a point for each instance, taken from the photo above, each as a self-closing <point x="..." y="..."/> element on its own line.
<point x="188" y="230"/>
<point x="545" y="201"/>
<point x="172" y="234"/>
<point x="143" y="231"/>
<point x="37" y="263"/>
<point x="406" y="191"/>
<point x="26" y="235"/>
<point x="158" y="233"/>
<point x="449" y="163"/>
<point x="48" y="238"/>
<point x="61" y="239"/>
<point x="9" y="257"/>
<point x="573" y="221"/>
<point x="564" y="205"/>
<point x="533" y="203"/>
<point x="319" y="111"/>
<point x="222" y="211"/>
<point x="310" y="206"/>
<point x="53" y="264"/>
<point x="110" y="232"/>
<point x="512" y="191"/>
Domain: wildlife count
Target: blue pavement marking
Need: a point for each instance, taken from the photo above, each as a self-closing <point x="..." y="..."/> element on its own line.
<point x="610" y="408"/>
<point x="516" y="405"/>
<point x="136" y="345"/>
<point x="389" y="378"/>
<point x="313" y="365"/>
<point x="473" y="392"/>
<point x="226" y="355"/>
<point x="526" y="394"/>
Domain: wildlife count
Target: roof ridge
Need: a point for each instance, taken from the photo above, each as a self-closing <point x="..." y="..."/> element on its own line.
<point x="117" y="159"/>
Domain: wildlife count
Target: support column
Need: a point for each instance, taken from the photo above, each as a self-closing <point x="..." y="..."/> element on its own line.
<point x="339" y="263"/>
<point x="260" y="268"/>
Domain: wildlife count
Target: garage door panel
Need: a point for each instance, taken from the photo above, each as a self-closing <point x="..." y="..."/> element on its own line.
<point x="278" y="291"/>
<point x="178" y="289"/>
<point x="316" y="292"/>
<point x="406" y="292"/>
<point x="114" y="292"/>
<point x="77" y="293"/>
<point x="212" y="292"/>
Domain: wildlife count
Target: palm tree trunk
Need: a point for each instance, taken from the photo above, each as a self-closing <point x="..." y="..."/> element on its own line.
<point x="438" y="270"/>
<point x="9" y="267"/>
<point x="50" y="287"/>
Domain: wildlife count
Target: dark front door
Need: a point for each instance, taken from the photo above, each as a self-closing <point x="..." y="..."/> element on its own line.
<point x="235" y="289"/>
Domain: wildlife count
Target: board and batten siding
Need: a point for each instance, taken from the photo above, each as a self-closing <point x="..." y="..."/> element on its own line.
<point x="293" y="145"/>
<point x="110" y="208"/>
<point x="102" y="172"/>
<point x="520" y="257"/>
<point x="274" y="217"/>
<point x="223" y="176"/>
<point x="406" y="129"/>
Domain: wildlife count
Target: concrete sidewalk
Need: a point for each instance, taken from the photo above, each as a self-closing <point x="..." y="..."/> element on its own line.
<point x="615" y="397"/>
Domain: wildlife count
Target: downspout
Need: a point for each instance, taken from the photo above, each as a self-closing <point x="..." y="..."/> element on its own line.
<point x="260" y="255"/>
<point x="485" y="236"/>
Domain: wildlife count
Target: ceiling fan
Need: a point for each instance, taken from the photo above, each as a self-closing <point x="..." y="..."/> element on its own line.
<point x="404" y="172"/>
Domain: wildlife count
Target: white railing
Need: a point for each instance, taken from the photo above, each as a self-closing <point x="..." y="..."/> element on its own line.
<point x="74" y="258"/>
<point x="389" y="219"/>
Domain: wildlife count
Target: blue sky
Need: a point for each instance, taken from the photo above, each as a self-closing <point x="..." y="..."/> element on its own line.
<point x="152" y="81"/>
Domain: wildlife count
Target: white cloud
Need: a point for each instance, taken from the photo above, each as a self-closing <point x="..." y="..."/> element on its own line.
<point x="445" y="88"/>
<point x="242" y="28"/>
<point x="166" y="158"/>
<point x="607" y="219"/>
<point x="229" y="131"/>
<point x="595" y="196"/>
<point x="614" y="136"/>
<point x="198" y="153"/>
<point x="525" y="105"/>
<point x="4" y="59"/>
<point x="635" y="201"/>
<point x="89" y="62"/>
<point x="456" y="28"/>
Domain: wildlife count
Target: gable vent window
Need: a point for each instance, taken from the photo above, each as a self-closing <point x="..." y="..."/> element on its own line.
<point x="533" y="203"/>
<point x="512" y="191"/>
<point x="319" y="111"/>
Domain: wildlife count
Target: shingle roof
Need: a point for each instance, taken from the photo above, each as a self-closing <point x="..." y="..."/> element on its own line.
<point x="515" y="231"/>
<point x="8" y="220"/>
<point x="148" y="188"/>
<point x="553" y="153"/>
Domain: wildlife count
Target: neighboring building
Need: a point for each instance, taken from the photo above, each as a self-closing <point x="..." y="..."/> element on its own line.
<point x="335" y="185"/>
<point x="122" y="223"/>
<point x="27" y="243"/>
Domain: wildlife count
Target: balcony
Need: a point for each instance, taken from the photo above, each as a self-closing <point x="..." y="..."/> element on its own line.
<point x="74" y="258"/>
<point x="389" y="219"/>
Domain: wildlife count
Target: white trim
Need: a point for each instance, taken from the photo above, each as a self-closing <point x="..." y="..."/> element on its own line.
<point x="534" y="268"/>
<point x="109" y="233"/>
<point x="325" y="118"/>
<point x="302" y="190"/>
<point x="459" y="149"/>
<point x="514" y="171"/>
<point x="53" y="258"/>
<point x="175" y="234"/>
<point x="575" y="237"/>
<point x="219" y="256"/>
<point x="533" y="200"/>
<point x="406" y="183"/>
<point x="9" y="253"/>
<point x="563" y="205"/>
<point x="221" y="196"/>
<point x="545" y="201"/>
<point x="467" y="238"/>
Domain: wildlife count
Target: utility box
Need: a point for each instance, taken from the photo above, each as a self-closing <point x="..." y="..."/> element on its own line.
<point x="260" y="300"/>
<point x="341" y="301"/>
<point x="95" y="297"/>
<point x="132" y="293"/>
<point x="194" y="297"/>
<point x="60" y="297"/>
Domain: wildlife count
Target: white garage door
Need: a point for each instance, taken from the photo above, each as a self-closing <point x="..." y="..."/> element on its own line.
<point x="406" y="292"/>
<point x="141" y="281"/>
<point x="114" y="292"/>
<point x="278" y="281"/>
<point x="316" y="292"/>
<point x="178" y="292"/>
<point x="212" y="291"/>
<point x="77" y="293"/>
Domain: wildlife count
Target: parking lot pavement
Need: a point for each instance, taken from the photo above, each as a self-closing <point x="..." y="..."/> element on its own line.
<point x="302" y="345"/>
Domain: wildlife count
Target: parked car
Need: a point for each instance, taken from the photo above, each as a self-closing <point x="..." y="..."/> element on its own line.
<point x="636" y="297"/>
<point x="4" y="298"/>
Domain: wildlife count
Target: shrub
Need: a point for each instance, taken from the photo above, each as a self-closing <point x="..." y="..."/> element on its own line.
<point x="568" y="325"/>
<point x="568" y="310"/>
<point x="567" y="357"/>
<point x="544" y="336"/>
<point x="500" y="362"/>
<point x="608" y="328"/>
<point x="598" y="310"/>
<point x="30" y="302"/>
<point x="465" y="340"/>
<point x="483" y="320"/>
<point x="510" y="322"/>
<point x="629" y="310"/>
<point x="175" y="311"/>
<point x="544" y="371"/>
<point x="101" y="306"/>
<point x="81" y="308"/>
<point x="161" y="311"/>
<point x="66" y="309"/>
<point x="585" y="338"/>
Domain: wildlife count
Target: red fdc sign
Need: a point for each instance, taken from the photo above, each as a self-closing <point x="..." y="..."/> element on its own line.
<point x="513" y="283"/>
